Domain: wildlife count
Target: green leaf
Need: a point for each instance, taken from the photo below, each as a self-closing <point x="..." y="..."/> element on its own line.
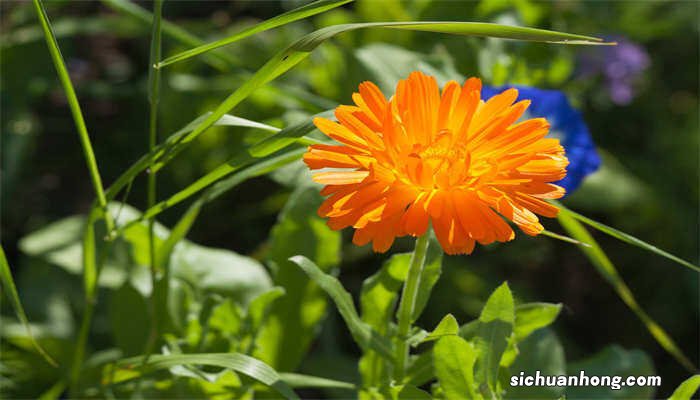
<point x="129" y="318"/>
<point x="240" y="363"/>
<point x="364" y="335"/>
<point x="453" y="360"/>
<point x="627" y="238"/>
<point x="377" y="303"/>
<point x="380" y="292"/>
<point x="307" y="10"/>
<point x="420" y="370"/>
<point x="528" y="318"/>
<point x="607" y="269"/>
<point x="495" y="327"/>
<point x="543" y="352"/>
<point x="220" y="271"/>
<point x="9" y="288"/>
<point x="613" y="360"/>
<point x="448" y="326"/>
<point x="258" y="308"/>
<point x="686" y="389"/>
<point x="308" y="381"/>
<point x="532" y="316"/>
<point x="293" y="319"/>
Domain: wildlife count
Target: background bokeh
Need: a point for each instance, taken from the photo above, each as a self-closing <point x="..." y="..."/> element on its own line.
<point x="643" y="117"/>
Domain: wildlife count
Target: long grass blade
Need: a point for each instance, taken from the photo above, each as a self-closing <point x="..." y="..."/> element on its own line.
<point x="563" y="238"/>
<point x="8" y="286"/>
<point x="241" y="363"/>
<point x="302" y="12"/>
<point x="217" y="187"/>
<point x="627" y="238"/>
<point x="74" y="105"/>
<point x="308" y="381"/>
<point x="607" y="269"/>
<point x="220" y="60"/>
<point x="300" y="49"/>
<point x="143" y="163"/>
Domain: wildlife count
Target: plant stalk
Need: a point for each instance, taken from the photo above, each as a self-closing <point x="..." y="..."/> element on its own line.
<point x="408" y="305"/>
<point x="153" y="98"/>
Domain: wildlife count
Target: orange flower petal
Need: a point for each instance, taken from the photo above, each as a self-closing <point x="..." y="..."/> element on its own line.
<point x="443" y="157"/>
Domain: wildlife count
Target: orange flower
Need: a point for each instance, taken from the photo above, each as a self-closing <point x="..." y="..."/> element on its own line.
<point x="448" y="158"/>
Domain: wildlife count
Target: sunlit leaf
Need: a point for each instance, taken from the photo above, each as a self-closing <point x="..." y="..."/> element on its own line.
<point x="453" y="360"/>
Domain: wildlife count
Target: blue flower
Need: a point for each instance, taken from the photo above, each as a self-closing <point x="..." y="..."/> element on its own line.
<point x="567" y="124"/>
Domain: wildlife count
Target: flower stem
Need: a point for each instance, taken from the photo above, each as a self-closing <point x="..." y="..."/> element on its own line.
<point x="408" y="304"/>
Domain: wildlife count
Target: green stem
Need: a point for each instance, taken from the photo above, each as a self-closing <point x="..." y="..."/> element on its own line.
<point x="408" y="305"/>
<point x="74" y="105"/>
<point x="153" y="98"/>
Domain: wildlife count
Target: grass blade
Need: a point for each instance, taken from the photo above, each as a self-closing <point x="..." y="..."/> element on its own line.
<point x="563" y="238"/>
<point x="8" y="285"/>
<point x="218" y="59"/>
<point x="241" y="363"/>
<point x="607" y="269"/>
<point x="215" y="189"/>
<point x="300" y="49"/>
<point x="74" y="105"/>
<point x="146" y="160"/>
<point x="627" y="238"/>
<point x="363" y="334"/>
<point x="302" y="12"/>
<point x="308" y="381"/>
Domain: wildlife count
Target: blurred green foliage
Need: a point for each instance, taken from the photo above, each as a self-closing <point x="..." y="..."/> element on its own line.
<point x="647" y="186"/>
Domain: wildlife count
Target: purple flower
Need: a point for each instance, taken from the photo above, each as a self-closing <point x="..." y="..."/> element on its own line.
<point x="620" y="66"/>
<point x="567" y="124"/>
